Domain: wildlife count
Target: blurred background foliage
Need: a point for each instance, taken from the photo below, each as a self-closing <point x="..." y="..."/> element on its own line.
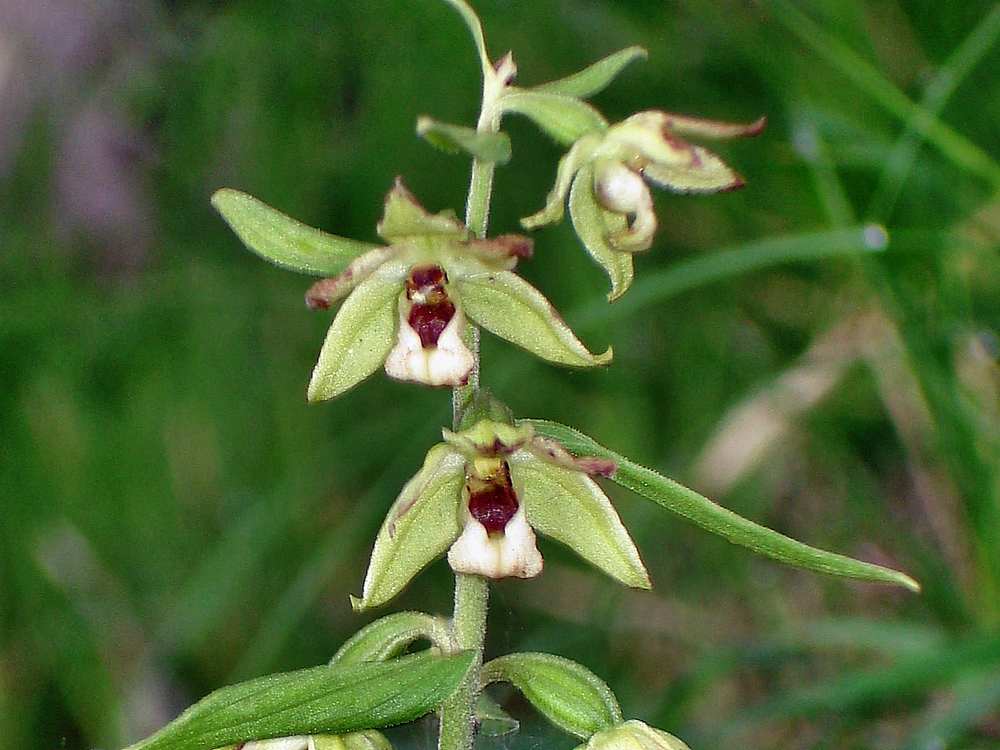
<point x="174" y="516"/>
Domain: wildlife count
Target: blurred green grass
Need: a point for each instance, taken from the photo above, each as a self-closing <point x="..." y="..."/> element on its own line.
<point x="175" y="516"/>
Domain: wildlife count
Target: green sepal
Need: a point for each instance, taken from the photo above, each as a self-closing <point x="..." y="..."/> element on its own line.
<point x="388" y="636"/>
<point x="404" y="218"/>
<point x="361" y="335"/>
<point x="594" y="78"/>
<point x="492" y="720"/>
<point x="567" y="694"/>
<point x="485" y="406"/>
<point x="421" y="525"/>
<point x="712" y="517"/>
<point x="594" y="224"/>
<point x="570" y="507"/>
<point x="320" y="700"/>
<point x="284" y="241"/>
<point x="706" y="174"/>
<point x="454" y="139"/>
<point x="569" y="165"/>
<point x="564" y="118"/>
<point x="509" y="307"/>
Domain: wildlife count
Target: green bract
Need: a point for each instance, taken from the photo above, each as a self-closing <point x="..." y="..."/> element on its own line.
<point x="406" y="302"/>
<point x="481" y="495"/>
<point x="566" y="693"/>
<point x="610" y="204"/>
<point x="712" y="517"/>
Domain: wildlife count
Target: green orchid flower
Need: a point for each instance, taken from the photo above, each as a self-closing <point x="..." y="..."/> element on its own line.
<point x="404" y="305"/>
<point x="605" y="174"/>
<point x="481" y="496"/>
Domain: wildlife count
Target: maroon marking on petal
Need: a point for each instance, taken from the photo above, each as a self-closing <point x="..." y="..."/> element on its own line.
<point x="425" y="276"/>
<point x="493" y="503"/>
<point x="430" y="320"/>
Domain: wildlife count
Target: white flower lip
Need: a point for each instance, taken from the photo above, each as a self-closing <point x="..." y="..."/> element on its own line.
<point x="449" y="363"/>
<point x="511" y="554"/>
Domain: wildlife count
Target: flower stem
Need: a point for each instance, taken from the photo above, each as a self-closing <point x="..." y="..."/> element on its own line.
<point x="458" y="713"/>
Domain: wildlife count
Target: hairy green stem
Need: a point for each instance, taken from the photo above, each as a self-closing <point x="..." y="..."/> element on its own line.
<point x="458" y="719"/>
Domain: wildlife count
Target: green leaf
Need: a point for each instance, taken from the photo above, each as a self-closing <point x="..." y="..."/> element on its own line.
<point x="508" y="306"/>
<point x="492" y="720"/>
<point x="362" y="334"/>
<point x="489" y="147"/>
<point x="594" y="78"/>
<point x="564" y="118"/>
<point x="388" y="636"/>
<point x="316" y="701"/>
<point x="421" y="525"/>
<point x="284" y="241"/>
<point x="594" y="224"/>
<point x="570" y="507"/>
<point x="567" y="694"/>
<point x="719" y="520"/>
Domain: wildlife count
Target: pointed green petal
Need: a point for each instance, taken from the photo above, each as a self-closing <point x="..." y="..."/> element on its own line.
<point x="569" y="165"/>
<point x="421" y="525"/>
<point x="404" y="218"/>
<point x="362" y="334"/>
<point x="569" y="507"/>
<point x="562" y="117"/>
<point x="594" y="224"/>
<point x="719" y="520"/>
<point x="594" y="78"/>
<point x="508" y="306"/>
<point x="284" y="241"/>
<point x="703" y="128"/>
<point x="488" y="147"/>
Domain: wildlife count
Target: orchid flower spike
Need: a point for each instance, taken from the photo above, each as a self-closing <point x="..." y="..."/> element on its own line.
<point x="482" y="495"/>
<point x="605" y="174"/>
<point x="403" y="305"/>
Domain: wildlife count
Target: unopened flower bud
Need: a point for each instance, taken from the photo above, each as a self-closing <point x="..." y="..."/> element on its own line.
<point x="633" y="735"/>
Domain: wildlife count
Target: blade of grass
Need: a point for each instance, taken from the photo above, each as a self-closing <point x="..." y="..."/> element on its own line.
<point x="869" y="80"/>
<point x="906" y="678"/>
<point x="948" y="78"/>
<point x="658" y="286"/>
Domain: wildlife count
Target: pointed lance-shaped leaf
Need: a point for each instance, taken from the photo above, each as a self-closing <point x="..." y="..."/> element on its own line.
<point x="564" y="118"/>
<point x="361" y="335"/>
<point x="421" y="525"/>
<point x="509" y="307"/>
<point x="284" y="241"/>
<point x="319" y="700"/>
<point x="454" y="139"/>
<point x="570" y="507"/>
<point x="594" y="78"/>
<point x="594" y="224"/>
<point x="712" y="517"/>
<point x="404" y="217"/>
<point x="388" y="636"/>
<point x="567" y="694"/>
